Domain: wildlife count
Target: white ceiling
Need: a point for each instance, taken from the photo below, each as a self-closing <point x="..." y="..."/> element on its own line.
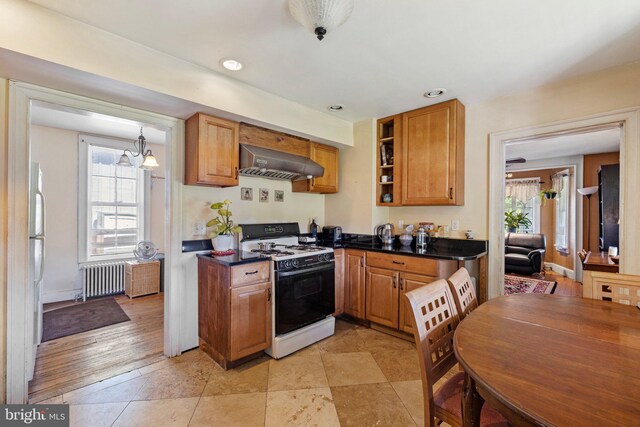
<point x="389" y="52"/>
<point x="602" y="141"/>
<point x="56" y="116"/>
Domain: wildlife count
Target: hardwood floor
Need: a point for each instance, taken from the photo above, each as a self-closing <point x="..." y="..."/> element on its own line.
<point x="565" y="286"/>
<point x="75" y="361"/>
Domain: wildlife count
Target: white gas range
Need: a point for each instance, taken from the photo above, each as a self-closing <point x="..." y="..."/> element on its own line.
<point x="303" y="279"/>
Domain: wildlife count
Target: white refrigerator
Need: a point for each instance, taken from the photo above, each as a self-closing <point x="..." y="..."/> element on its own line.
<point x="36" y="264"/>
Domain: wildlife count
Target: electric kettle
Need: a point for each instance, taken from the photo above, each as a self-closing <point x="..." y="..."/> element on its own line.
<point x="385" y="233"/>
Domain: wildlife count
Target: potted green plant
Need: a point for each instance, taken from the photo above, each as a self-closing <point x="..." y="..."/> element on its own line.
<point x="515" y="219"/>
<point x="223" y="228"/>
<point x="548" y="194"/>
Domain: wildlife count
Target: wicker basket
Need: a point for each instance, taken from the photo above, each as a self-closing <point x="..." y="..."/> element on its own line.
<point x="141" y="278"/>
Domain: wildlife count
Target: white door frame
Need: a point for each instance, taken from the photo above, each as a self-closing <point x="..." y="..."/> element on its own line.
<point x="629" y="120"/>
<point x="20" y="97"/>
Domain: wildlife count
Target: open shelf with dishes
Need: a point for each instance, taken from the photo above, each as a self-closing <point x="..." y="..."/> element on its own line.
<point x="389" y="151"/>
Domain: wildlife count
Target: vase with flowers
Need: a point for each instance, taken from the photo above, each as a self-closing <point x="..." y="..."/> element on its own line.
<point x="223" y="228"/>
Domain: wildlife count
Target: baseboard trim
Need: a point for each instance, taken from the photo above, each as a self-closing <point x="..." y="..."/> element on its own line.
<point x="57" y="296"/>
<point x="571" y="274"/>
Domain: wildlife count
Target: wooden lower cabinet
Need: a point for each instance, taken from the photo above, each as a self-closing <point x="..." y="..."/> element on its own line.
<point x="234" y="310"/>
<point x="354" y="290"/>
<point x="250" y="319"/>
<point x="389" y="277"/>
<point x="339" y="281"/>
<point x="382" y="297"/>
<point x="409" y="282"/>
<point x="386" y="303"/>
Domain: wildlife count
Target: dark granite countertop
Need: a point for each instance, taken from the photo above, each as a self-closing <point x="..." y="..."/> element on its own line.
<point x="439" y="248"/>
<point x="237" y="258"/>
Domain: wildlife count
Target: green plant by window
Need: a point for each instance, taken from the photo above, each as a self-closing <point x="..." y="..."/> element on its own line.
<point x="516" y="219"/>
<point x="222" y="223"/>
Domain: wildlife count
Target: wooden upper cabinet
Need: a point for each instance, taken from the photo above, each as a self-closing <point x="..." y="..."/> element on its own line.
<point x="354" y="285"/>
<point x="327" y="157"/>
<point x="274" y="140"/>
<point x="212" y="151"/>
<point x="433" y="155"/>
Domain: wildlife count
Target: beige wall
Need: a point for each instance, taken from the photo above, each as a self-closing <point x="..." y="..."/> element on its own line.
<point x="296" y="207"/>
<point x="4" y="100"/>
<point x="354" y="207"/>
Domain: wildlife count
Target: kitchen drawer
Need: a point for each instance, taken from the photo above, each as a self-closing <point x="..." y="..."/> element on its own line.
<point x="428" y="267"/>
<point x="247" y="274"/>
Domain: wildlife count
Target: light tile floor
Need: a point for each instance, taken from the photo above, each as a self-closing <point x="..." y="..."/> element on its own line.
<point x="357" y="377"/>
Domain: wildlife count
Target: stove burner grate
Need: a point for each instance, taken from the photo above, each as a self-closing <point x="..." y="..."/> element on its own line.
<point x="304" y="248"/>
<point x="271" y="252"/>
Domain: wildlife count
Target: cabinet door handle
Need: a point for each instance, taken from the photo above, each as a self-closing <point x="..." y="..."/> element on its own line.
<point x="236" y="172"/>
<point x="362" y="262"/>
<point x="394" y="282"/>
<point x="398" y="262"/>
<point x="268" y="294"/>
<point x="313" y="182"/>
<point x="402" y="284"/>
<point x="251" y="272"/>
<point x="451" y="193"/>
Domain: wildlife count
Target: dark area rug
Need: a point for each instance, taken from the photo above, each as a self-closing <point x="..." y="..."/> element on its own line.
<point x="81" y="318"/>
<point x="527" y="285"/>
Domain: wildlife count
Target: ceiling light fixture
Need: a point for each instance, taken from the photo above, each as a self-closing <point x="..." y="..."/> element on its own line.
<point x="140" y="145"/>
<point x="321" y="16"/>
<point x="335" y="108"/>
<point x="434" y="93"/>
<point x="231" y="64"/>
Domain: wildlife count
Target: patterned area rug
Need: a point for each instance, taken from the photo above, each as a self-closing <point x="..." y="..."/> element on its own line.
<point x="527" y="285"/>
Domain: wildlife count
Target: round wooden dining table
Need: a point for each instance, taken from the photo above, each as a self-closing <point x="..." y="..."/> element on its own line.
<point x="551" y="360"/>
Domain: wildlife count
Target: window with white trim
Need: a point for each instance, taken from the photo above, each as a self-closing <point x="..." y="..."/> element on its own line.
<point x="112" y="201"/>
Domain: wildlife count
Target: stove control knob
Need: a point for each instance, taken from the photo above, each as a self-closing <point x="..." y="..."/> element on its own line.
<point x="294" y="262"/>
<point x="287" y="263"/>
<point x="322" y="257"/>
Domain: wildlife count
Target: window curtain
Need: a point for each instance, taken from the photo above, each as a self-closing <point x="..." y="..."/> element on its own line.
<point x="522" y="189"/>
<point x="557" y="183"/>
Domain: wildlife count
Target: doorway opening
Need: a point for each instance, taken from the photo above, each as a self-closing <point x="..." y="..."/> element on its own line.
<point x="625" y="124"/>
<point x="95" y="214"/>
<point x="91" y="214"/>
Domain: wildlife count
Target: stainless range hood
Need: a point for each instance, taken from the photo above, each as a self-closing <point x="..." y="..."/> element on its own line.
<point x="272" y="164"/>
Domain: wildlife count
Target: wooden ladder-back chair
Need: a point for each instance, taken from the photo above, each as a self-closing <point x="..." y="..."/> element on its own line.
<point x="464" y="292"/>
<point x="435" y="319"/>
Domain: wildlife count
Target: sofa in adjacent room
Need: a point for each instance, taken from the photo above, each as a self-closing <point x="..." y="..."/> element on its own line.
<point x="524" y="253"/>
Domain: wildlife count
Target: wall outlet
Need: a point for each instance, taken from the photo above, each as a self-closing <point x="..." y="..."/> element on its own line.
<point x="199" y="228"/>
<point x="455" y="225"/>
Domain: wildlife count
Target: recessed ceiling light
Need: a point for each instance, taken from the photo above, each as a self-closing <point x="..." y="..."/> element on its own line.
<point x="336" y="107"/>
<point x="231" y="64"/>
<point x="434" y="93"/>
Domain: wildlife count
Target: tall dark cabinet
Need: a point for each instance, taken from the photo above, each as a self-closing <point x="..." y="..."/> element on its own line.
<point x="609" y="209"/>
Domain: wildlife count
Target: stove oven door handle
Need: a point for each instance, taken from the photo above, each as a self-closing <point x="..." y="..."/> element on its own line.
<point x="305" y="270"/>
